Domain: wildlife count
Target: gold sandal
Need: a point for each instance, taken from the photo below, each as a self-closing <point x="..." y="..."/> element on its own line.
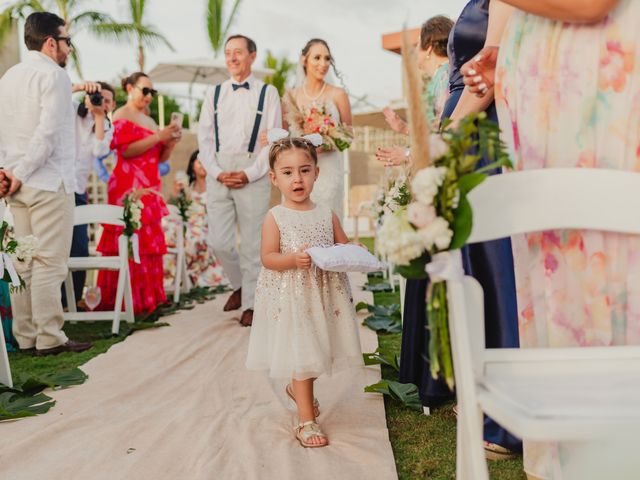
<point x="307" y="430"/>
<point x="316" y="405"/>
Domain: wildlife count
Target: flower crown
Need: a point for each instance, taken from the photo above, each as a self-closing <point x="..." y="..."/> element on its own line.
<point x="276" y="134"/>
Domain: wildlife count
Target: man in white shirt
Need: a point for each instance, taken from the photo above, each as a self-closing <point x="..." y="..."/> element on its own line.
<point x="93" y="140"/>
<point x="233" y="116"/>
<point x="37" y="151"/>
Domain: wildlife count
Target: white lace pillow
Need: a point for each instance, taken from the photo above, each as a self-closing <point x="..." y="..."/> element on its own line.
<point x="345" y="258"/>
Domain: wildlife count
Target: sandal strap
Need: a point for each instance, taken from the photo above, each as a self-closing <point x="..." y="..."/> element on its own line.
<point x="309" y="429"/>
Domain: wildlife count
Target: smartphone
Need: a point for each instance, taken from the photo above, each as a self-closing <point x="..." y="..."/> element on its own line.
<point x="177" y="118"/>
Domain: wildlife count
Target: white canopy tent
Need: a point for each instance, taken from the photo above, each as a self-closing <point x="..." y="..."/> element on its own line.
<point x="202" y="70"/>
<point x="197" y="70"/>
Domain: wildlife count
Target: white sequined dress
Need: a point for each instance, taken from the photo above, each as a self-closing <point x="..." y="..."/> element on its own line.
<point x="304" y="322"/>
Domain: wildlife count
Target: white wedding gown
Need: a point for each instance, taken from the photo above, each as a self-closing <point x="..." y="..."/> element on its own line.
<point x="329" y="187"/>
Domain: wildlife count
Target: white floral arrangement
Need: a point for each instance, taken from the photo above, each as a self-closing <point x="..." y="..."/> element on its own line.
<point x="22" y="249"/>
<point x="392" y="194"/>
<point x="132" y="218"/>
<point x="439" y="218"/>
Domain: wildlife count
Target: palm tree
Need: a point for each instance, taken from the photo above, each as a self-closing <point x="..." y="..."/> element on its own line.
<point x="216" y="27"/>
<point x="75" y="20"/>
<point x="281" y="68"/>
<point x="145" y="35"/>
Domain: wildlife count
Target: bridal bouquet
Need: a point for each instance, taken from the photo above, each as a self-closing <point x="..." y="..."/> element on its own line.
<point x="132" y="218"/>
<point x="23" y="249"/>
<point x="439" y="218"/>
<point x="317" y="118"/>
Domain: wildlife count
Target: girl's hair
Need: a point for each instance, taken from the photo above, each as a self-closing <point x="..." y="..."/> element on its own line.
<point x="191" y="172"/>
<point x="305" y="54"/>
<point x="435" y="33"/>
<point x="291" y="143"/>
<point x="132" y="79"/>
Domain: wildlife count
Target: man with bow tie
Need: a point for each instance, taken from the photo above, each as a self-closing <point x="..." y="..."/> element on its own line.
<point x="233" y="116"/>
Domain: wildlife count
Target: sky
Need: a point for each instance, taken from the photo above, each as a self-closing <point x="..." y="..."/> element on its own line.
<point x="353" y="29"/>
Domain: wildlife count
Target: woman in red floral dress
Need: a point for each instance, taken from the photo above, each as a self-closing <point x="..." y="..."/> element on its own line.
<point x="140" y="147"/>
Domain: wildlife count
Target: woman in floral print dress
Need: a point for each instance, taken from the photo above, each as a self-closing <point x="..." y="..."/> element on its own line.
<point x="203" y="267"/>
<point x="568" y="95"/>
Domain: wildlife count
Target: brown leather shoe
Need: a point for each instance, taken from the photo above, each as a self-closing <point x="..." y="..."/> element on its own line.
<point x="247" y="318"/>
<point x="234" y="302"/>
<point x="70" y="346"/>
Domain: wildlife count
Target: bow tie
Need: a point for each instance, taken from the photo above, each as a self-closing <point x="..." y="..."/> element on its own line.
<point x="241" y="85"/>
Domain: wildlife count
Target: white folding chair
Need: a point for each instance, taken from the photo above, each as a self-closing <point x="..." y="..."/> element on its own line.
<point x="543" y="394"/>
<point x="108" y="215"/>
<point x="182" y="282"/>
<point x="5" y="369"/>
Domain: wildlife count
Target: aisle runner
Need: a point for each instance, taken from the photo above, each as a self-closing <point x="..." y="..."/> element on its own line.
<point x="177" y="403"/>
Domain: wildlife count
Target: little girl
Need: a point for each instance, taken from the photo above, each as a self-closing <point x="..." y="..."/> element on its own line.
<point x="304" y="322"/>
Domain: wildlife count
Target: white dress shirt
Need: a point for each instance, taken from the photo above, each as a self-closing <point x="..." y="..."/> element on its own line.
<point x="88" y="147"/>
<point x="37" y="124"/>
<point x="236" y="116"/>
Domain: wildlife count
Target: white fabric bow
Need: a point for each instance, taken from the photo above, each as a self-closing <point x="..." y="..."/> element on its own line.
<point x="445" y="266"/>
<point x="6" y="263"/>
<point x="135" y="247"/>
<point x="276" y="134"/>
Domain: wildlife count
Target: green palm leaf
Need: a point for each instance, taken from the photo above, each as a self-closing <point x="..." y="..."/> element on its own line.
<point x="13" y="405"/>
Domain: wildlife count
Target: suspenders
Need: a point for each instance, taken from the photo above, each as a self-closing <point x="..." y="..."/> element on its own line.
<point x="256" y="123"/>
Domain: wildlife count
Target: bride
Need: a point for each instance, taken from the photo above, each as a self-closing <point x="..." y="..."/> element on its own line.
<point x="312" y="90"/>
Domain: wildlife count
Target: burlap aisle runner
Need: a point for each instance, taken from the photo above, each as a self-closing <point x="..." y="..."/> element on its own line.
<point x="177" y="403"/>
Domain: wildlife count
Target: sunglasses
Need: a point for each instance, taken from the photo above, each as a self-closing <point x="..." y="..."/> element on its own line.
<point x="67" y="40"/>
<point x="147" y="91"/>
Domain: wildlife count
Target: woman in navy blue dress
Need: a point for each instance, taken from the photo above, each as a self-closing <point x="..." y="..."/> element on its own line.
<point x="491" y="263"/>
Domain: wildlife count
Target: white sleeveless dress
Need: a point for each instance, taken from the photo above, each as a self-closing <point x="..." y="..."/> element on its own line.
<point x="329" y="188"/>
<point x="304" y="322"/>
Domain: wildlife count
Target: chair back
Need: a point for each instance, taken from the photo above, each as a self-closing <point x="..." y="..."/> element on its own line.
<point x="525" y="202"/>
<point x="105" y="214"/>
<point x="555" y="198"/>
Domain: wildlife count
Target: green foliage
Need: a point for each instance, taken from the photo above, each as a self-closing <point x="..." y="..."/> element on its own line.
<point x="383" y="319"/>
<point x="75" y="20"/>
<point x="382" y="358"/>
<point x="405" y="393"/>
<point x="25" y="399"/>
<point x="135" y="31"/>
<point x="377" y="287"/>
<point x="281" y="68"/>
<point x="416" y="267"/>
<point x="217" y="28"/>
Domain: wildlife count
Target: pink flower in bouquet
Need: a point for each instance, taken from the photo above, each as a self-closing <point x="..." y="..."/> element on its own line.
<point x="420" y="214"/>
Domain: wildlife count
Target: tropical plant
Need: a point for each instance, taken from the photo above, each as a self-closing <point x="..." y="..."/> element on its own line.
<point x="217" y="27"/>
<point x="74" y="18"/>
<point x="281" y="68"/>
<point x="143" y="34"/>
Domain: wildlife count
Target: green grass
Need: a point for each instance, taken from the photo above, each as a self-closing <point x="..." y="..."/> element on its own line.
<point x="425" y="446"/>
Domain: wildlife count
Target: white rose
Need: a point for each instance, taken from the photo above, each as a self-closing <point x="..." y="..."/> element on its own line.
<point x="398" y="240"/>
<point x="436" y="233"/>
<point x="437" y="146"/>
<point x="426" y="183"/>
<point x="420" y="214"/>
<point x="26" y="248"/>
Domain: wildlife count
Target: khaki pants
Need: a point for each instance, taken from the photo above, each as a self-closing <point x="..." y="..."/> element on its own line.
<point x="241" y="209"/>
<point x="37" y="310"/>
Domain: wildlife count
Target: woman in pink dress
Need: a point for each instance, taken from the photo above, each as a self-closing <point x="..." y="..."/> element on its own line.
<point x="140" y="147"/>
